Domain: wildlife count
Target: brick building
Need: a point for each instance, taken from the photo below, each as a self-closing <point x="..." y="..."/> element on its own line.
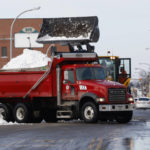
<point x="24" y="34"/>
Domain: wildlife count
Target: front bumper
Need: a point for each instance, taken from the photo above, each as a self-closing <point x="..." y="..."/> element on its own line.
<point x="116" y="107"/>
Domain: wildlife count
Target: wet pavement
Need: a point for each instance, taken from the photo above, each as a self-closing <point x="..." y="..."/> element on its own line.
<point x="76" y="135"/>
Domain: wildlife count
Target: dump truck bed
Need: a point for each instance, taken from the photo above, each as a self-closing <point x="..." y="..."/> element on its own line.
<point x="17" y="84"/>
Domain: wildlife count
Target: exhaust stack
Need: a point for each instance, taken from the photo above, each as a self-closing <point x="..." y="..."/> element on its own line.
<point x="58" y="74"/>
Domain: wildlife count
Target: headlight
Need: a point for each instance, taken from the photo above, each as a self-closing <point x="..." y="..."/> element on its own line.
<point x="130" y="99"/>
<point x="101" y="99"/>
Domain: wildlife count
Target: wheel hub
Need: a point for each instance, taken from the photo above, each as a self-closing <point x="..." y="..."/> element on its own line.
<point x="20" y="113"/>
<point x="89" y="112"/>
<point x="2" y="112"/>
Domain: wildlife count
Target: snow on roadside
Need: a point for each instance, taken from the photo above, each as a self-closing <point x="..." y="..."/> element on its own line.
<point x="3" y="122"/>
<point x="28" y="59"/>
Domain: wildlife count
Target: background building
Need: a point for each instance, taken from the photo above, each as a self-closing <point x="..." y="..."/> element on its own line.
<point x="25" y="32"/>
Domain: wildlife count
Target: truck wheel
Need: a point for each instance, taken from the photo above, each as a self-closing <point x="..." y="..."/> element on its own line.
<point x="10" y="107"/>
<point x="50" y="116"/>
<point x="4" y="112"/>
<point x="21" y="113"/>
<point x="124" y="117"/>
<point x="89" y="112"/>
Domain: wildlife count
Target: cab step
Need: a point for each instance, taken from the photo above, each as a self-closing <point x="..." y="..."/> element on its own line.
<point x="64" y="114"/>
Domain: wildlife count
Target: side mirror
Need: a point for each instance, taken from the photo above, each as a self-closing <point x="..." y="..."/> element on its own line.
<point x="65" y="81"/>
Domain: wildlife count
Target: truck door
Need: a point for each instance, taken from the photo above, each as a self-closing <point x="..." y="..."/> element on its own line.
<point x="69" y="87"/>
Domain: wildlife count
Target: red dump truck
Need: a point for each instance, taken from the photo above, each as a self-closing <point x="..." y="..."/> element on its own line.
<point x="73" y="86"/>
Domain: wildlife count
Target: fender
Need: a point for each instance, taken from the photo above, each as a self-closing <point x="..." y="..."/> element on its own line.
<point x="88" y="94"/>
<point x="81" y="101"/>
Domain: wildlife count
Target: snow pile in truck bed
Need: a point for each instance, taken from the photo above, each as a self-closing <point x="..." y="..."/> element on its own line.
<point x="28" y="59"/>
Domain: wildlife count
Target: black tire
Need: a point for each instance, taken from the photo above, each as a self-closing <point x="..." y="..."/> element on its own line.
<point x="37" y="116"/>
<point x="21" y="113"/>
<point x="50" y="116"/>
<point x="89" y="112"/>
<point x="10" y="107"/>
<point x="124" y="117"/>
<point x="5" y="112"/>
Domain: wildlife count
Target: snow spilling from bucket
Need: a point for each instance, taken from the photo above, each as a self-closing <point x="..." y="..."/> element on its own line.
<point x="28" y="59"/>
<point x="48" y="38"/>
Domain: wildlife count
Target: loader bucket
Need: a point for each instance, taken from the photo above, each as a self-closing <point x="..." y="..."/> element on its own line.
<point x="72" y="30"/>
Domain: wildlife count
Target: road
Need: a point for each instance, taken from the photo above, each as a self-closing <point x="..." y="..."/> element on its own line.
<point x="76" y="135"/>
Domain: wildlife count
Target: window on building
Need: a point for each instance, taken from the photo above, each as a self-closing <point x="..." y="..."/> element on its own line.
<point x="4" y="52"/>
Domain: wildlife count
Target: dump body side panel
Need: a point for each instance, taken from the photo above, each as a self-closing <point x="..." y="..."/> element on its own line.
<point x="17" y="84"/>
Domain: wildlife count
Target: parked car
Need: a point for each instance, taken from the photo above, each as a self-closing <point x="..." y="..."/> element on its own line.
<point x="142" y="103"/>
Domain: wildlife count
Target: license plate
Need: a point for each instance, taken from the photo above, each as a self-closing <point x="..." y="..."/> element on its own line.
<point x="119" y="107"/>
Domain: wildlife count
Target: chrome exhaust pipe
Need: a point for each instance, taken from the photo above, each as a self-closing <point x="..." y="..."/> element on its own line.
<point x="58" y="73"/>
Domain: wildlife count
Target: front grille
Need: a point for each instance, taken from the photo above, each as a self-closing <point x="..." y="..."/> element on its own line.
<point x="116" y="94"/>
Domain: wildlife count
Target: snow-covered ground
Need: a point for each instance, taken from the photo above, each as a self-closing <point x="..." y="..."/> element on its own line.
<point x="28" y="59"/>
<point x="3" y="122"/>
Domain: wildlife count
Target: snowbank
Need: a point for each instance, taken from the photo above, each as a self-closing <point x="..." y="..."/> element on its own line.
<point x="3" y="122"/>
<point x="28" y="59"/>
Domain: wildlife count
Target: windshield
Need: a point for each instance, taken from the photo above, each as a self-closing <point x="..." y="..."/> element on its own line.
<point x="90" y="73"/>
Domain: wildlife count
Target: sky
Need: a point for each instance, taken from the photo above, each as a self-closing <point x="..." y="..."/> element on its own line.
<point x="124" y="24"/>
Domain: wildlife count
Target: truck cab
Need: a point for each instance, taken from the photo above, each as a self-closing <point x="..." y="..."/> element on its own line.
<point x="77" y="78"/>
<point x="83" y="84"/>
